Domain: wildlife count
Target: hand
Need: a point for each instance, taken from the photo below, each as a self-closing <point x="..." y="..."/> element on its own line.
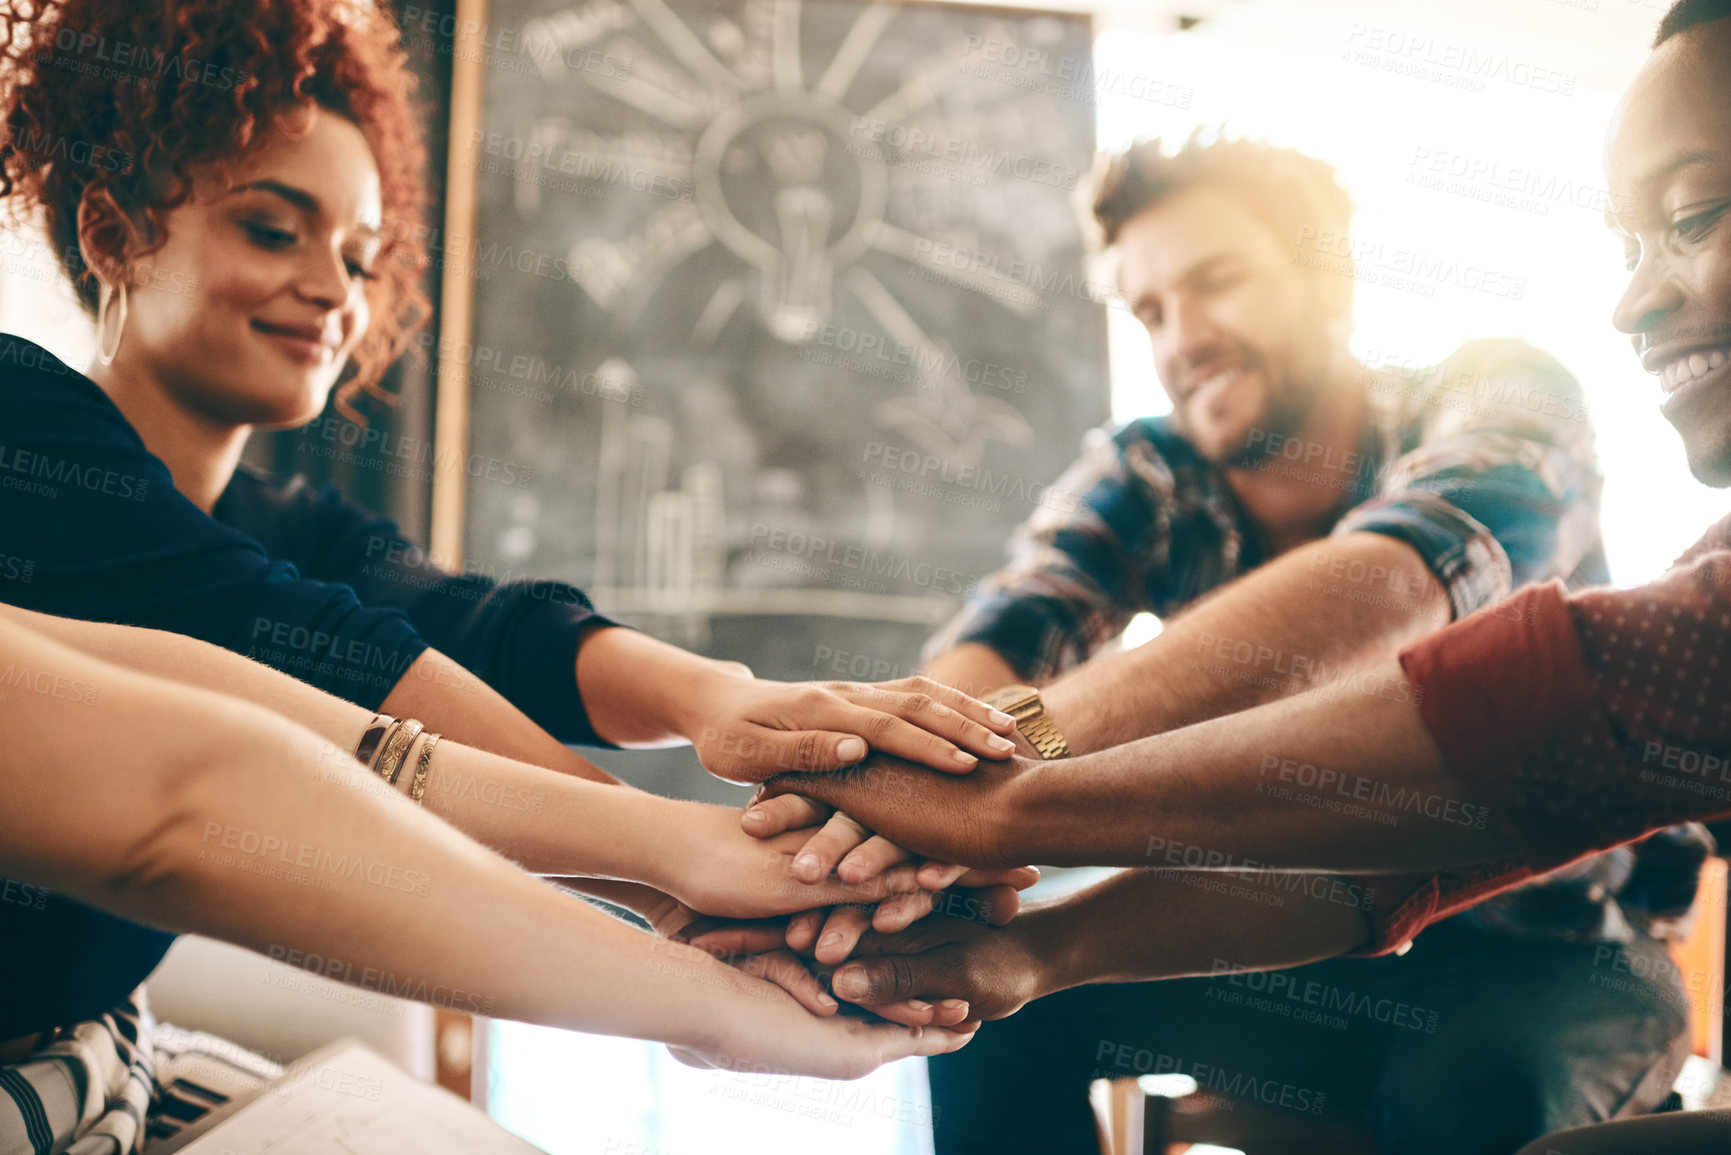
<point x="997" y="971"/>
<point x="741" y="943"/>
<point x="842" y="926"/>
<point x="745" y="730"/>
<point x="856" y="855"/>
<point x="761" y="956"/>
<point x="708" y="863"/>
<point x="773" y="1035"/>
<point x="970" y="820"/>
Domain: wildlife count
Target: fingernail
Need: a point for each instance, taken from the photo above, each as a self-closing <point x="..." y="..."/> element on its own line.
<point x="999" y="718"/>
<point x="826" y="1002"/>
<point x="918" y="1005"/>
<point x="955" y="1006"/>
<point x="1001" y="745"/>
<point x="966" y="759"/>
<point x="755" y="817"/>
<point x="806" y="865"/>
<point x="833" y="938"/>
<point x="850" y="750"/>
<point x="850" y="983"/>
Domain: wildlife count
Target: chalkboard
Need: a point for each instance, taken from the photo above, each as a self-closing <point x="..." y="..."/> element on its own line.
<point x="782" y="320"/>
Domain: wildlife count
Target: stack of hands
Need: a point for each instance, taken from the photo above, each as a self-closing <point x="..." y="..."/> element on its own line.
<point x="878" y="884"/>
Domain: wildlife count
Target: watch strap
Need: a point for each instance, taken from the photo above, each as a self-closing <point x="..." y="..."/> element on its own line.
<point x="1023" y="704"/>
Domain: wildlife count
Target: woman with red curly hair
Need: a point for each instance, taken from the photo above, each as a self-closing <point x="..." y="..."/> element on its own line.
<point x="231" y="188"/>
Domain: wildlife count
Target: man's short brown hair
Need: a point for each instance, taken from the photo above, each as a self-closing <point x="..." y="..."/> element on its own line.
<point x="1287" y="190"/>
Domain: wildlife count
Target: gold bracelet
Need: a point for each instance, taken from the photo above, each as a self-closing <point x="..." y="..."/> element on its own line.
<point x="392" y="725"/>
<point x="397" y="750"/>
<point x="419" y="786"/>
<point x="368" y="747"/>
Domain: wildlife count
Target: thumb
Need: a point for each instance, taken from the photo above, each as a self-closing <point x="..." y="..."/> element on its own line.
<point x="769" y="815"/>
<point x="802" y="751"/>
<point x="998" y="904"/>
<point x="885" y="979"/>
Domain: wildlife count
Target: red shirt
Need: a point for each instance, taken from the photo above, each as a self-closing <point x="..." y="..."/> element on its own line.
<point x="1583" y="721"/>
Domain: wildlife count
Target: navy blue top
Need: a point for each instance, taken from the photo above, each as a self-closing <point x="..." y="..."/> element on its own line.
<point x="300" y="579"/>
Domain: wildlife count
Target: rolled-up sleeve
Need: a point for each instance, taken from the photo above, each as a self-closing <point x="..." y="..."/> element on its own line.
<point x="1075" y="571"/>
<point x="1502" y="487"/>
<point x="1583" y="721"/>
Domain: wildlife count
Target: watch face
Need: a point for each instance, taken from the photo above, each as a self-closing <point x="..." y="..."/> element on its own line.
<point x="1012" y="698"/>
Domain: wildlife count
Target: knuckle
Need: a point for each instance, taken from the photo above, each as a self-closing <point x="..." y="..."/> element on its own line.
<point x="882" y="726"/>
<point x="805" y="750"/>
<point x="901" y="977"/>
<point x="919" y="703"/>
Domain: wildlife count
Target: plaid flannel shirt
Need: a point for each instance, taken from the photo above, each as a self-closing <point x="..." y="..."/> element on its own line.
<point x="1483" y="464"/>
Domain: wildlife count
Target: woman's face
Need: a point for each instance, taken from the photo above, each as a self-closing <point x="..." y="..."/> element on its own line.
<point x="1669" y="168"/>
<point x="248" y="312"/>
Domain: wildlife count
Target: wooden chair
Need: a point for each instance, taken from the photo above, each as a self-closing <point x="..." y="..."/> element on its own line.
<point x="1700" y="960"/>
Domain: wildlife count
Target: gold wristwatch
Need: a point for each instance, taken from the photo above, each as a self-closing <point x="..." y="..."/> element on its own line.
<point x="1023" y="704"/>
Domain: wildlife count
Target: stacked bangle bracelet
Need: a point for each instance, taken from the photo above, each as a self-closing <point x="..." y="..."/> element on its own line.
<point x="385" y="746"/>
<point x="396" y="751"/>
<point x="374" y="734"/>
<point x="418" y="787"/>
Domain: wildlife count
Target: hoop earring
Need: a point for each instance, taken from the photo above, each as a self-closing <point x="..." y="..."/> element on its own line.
<point x="105" y="349"/>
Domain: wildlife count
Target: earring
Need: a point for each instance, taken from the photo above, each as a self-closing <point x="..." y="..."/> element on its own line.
<point x="106" y="349"/>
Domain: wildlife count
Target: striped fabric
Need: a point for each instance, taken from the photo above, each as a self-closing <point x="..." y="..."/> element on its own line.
<point x="113" y="1085"/>
<point x="1483" y="464"/>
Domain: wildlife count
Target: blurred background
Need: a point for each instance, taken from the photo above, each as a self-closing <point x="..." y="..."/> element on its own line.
<point x="708" y="271"/>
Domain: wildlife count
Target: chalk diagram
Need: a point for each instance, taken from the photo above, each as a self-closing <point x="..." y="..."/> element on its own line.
<point x="782" y="201"/>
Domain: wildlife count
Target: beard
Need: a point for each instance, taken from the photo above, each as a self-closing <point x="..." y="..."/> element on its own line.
<point x="1287" y="407"/>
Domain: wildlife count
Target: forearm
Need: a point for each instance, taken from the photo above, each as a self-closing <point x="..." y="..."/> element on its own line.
<point x="1159" y="924"/>
<point x="195" y="663"/>
<point x="639" y="691"/>
<point x="434" y="689"/>
<point x="1343" y="778"/>
<point x="552" y="823"/>
<point x="178" y="796"/>
<point x="1282" y="629"/>
<point x="973" y="668"/>
<point x="465" y="709"/>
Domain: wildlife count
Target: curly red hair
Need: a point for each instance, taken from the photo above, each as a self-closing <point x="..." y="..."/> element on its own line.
<point x="131" y="98"/>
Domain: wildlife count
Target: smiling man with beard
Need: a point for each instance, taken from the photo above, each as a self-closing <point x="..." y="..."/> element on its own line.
<point x="1297" y="517"/>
